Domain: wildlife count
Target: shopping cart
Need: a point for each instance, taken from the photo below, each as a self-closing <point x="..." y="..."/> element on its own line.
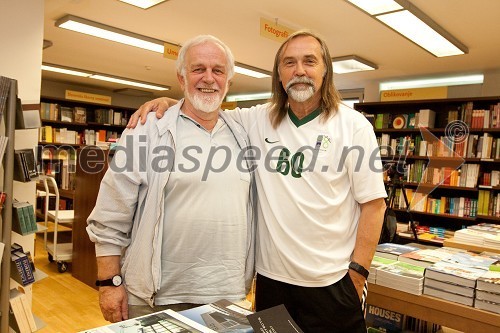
<point x="59" y="252"/>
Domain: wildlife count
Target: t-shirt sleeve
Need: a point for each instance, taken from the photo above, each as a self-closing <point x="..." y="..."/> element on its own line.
<point x="366" y="171"/>
<point x="247" y="117"/>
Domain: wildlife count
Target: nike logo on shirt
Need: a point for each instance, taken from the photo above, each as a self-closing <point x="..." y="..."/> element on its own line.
<point x="267" y="140"/>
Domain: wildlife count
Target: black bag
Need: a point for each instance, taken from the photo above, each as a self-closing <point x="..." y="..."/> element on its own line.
<point x="389" y="227"/>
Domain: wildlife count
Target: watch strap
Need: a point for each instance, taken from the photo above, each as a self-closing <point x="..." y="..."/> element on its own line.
<point x="108" y="282"/>
<point x="359" y="268"/>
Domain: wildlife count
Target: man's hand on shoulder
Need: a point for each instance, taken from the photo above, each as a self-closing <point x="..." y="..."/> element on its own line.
<point x="158" y="105"/>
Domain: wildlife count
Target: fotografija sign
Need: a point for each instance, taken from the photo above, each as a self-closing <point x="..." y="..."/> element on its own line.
<point x="274" y="31"/>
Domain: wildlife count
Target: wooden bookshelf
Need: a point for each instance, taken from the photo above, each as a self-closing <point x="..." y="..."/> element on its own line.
<point x="453" y="315"/>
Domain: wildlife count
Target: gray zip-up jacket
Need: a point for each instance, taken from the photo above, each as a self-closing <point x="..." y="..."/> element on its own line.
<point x="128" y="215"/>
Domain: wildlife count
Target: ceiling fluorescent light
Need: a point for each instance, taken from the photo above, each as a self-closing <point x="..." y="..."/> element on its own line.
<point x="251" y="71"/>
<point x="127" y="82"/>
<point x="64" y="70"/>
<point x="415" y="25"/>
<point x="352" y="63"/>
<point x="103" y="77"/>
<point x="92" y="28"/>
<point x="376" y="7"/>
<point x="144" y="4"/>
<point x="248" y="97"/>
<point x="433" y="82"/>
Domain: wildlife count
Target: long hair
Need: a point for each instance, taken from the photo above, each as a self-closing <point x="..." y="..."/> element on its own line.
<point x="201" y="39"/>
<point x="330" y="97"/>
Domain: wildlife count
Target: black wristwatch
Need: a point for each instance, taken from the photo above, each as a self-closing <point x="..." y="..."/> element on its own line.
<point x="358" y="268"/>
<point x="115" y="281"/>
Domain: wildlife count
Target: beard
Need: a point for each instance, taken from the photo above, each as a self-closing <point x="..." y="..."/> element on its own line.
<point x="300" y="95"/>
<point x="207" y="103"/>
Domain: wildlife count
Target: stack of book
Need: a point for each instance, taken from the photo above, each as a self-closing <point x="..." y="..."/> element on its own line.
<point x="454" y="278"/>
<point x="488" y="292"/>
<point x="378" y="262"/>
<point x="23" y="218"/>
<point x="402" y="276"/>
<point x="22" y="267"/>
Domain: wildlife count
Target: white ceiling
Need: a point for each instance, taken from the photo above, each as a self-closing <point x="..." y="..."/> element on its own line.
<point x="346" y="30"/>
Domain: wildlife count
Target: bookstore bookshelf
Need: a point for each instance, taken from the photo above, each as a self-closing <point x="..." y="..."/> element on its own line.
<point x="67" y="126"/>
<point x="17" y="225"/>
<point x="450" y="149"/>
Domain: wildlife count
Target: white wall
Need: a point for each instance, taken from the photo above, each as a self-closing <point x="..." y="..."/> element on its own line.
<point x="21" y="36"/>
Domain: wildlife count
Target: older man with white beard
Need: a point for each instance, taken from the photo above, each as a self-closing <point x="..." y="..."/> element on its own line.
<point x="169" y="234"/>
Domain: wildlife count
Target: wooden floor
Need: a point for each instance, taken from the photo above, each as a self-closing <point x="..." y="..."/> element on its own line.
<point x="62" y="302"/>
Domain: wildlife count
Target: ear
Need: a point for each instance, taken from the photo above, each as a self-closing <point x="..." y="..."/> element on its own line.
<point x="180" y="78"/>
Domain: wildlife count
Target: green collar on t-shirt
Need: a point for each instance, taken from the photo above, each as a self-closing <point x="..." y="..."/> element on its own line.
<point x="299" y="122"/>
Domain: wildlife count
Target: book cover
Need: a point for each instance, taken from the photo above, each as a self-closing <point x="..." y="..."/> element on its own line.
<point x="221" y="316"/>
<point x="273" y="320"/>
<point x="162" y="321"/>
<point x="454" y="273"/>
<point x="384" y="320"/>
<point x="393" y="250"/>
<point x="80" y="115"/>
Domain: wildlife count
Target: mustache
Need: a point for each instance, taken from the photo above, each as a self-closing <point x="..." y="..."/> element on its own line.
<point x="299" y="79"/>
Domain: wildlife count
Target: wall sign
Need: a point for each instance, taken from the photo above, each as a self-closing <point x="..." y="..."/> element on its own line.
<point x="414" y="94"/>
<point x="87" y="97"/>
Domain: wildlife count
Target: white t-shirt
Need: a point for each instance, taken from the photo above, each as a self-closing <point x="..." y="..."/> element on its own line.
<point x="307" y="220"/>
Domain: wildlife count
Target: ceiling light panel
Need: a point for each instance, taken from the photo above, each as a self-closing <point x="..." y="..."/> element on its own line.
<point x="144" y="4"/>
<point x="374" y="7"/>
<point x="420" y="33"/>
<point x="95" y="29"/>
<point x="350" y="64"/>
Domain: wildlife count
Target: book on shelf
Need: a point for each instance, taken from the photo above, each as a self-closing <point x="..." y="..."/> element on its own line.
<point x="465" y="300"/>
<point x="487" y="296"/>
<point x="22" y="320"/>
<point x="378" y="262"/>
<point x="23" y="218"/>
<point x="80" y="115"/>
<point x="427" y="257"/>
<point x="487" y="305"/>
<point x="383" y="320"/>
<point x="454" y="273"/>
<point x="25" y="167"/>
<point x="221" y="316"/>
<point x="3" y="145"/>
<point x="393" y="250"/>
<point x="471" y="259"/>
<point x="402" y="276"/>
<point x="21" y="270"/>
<point x="449" y="287"/>
<point x="66" y="114"/>
<point x="489" y="281"/>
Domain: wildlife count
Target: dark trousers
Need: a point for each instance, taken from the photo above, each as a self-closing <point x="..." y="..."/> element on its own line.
<point x="332" y="309"/>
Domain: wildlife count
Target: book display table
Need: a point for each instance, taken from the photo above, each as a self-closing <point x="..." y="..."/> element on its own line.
<point x="434" y="310"/>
